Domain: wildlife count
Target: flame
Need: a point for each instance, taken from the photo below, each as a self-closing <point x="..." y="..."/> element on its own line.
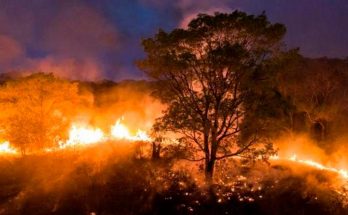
<point x="342" y="172"/>
<point x="5" y="147"/>
<point x="120" y="131"/>
<point x="83" y="135"/>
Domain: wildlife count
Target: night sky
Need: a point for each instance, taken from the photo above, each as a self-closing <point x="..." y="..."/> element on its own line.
<point x="97" y="39"/>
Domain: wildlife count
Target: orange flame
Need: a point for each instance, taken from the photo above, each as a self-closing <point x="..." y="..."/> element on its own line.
<point x="342" y="172"/>
<point x="120" y="131"/>
<point x="80" y="135"/>
<point x="83" y="135"/>
<point x="5" y="148"/>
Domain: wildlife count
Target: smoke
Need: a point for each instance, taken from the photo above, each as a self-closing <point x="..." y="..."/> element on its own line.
<point x="86" y="68"/>
<point x="101" y="39"/>
<point x="69" y="40"/>
<point x="130" y="101"/>
<point x="10" y="50"/>
<point x="79" y="31"/>
<point x="188" y="9"/>
<point x="304" y="147"/>
<point x="82" y="39"/>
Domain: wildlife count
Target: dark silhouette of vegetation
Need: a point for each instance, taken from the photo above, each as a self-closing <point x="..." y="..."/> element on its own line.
<point x="212" y="74"/>
<point x="319" y="99"/>
<point x="82" y="183"/>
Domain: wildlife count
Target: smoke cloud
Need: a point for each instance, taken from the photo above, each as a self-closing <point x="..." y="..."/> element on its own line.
<point x="101" y="39"/>
<point x="10" y="50"/>
<point x="69" y="40"/>
<point x="188" y="9"/>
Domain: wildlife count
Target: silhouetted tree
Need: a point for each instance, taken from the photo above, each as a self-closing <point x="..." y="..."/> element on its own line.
<point x="156" y="149"/>
<point x="211" y="75"/>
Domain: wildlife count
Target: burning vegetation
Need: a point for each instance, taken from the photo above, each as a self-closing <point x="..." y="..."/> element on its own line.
<point x="222" y="127"/>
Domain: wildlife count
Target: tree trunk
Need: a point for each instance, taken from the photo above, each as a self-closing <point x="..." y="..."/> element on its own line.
<point x="209" y="170"/>
<point x="156" y="150"/>
<point x="23" y="151"/>
<point x="319" y="131"/>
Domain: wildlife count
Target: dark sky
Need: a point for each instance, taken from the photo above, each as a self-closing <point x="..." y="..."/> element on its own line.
<point x="96" y="39"/>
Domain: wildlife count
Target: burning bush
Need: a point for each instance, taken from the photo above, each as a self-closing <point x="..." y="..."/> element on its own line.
<point x="37" y="110"/>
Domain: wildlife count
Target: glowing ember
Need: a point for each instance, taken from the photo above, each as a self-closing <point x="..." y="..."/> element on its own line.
<point x="120" y="131"/>
<point x="341" y="172"/>
<point x="6" y="148"/>
<point x="83" y="135"/>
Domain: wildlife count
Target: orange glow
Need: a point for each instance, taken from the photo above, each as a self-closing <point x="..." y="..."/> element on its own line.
<point x="83" y="135"/>
<point x="342" y="172"/>
<point x="5" y="148"/>
<point x="121" y="131"/>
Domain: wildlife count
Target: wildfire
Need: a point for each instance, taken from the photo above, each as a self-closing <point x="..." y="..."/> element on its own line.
<point x="120" y="131"/>
<point x="83" y="135"/>
<point x="5" y="147"/>
<point x="342" y="172"/>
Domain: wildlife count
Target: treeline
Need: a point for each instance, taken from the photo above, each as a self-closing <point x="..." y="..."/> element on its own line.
<point x="311" y="97"/>
<point x="39" y="109"/>
<point x="316" y="91"/>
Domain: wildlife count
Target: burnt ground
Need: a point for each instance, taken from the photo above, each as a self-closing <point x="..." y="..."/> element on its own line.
<point x="99" y="181"/>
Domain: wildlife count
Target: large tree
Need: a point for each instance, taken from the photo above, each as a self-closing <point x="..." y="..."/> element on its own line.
<point x="212" y="76"/>
<point x="36" y="110"/>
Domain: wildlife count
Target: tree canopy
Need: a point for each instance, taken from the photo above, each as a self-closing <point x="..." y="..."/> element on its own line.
<point x="36" y="109"/>
<point x="212" y="77"/>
